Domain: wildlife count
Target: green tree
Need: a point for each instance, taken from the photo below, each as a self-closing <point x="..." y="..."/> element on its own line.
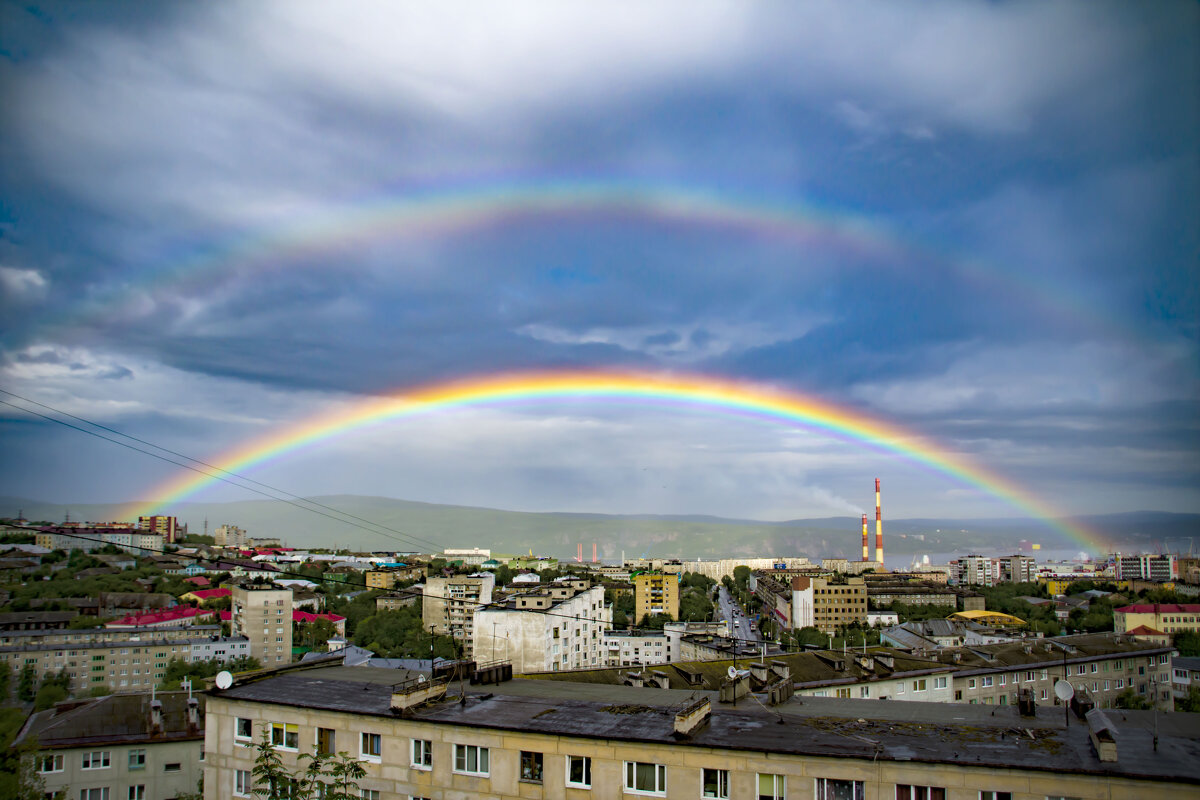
<point x="1191" y="703"/>
<point x="330" y="777"/>
<point x="654" y="622"/>
<point x="178" y="669"/>
<point x="504" y="575"/>
<point x="1131" y="700"/>
<point x="741" y="577"/>
<point x="1188" y="643"/>
<point x="5" y="684"/>
<point x="27" y="683"/>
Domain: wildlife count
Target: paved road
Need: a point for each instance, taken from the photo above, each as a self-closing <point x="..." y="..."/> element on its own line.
<point x="739" y="627"/>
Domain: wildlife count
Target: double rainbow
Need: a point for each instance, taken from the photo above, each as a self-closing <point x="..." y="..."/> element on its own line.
<point x="786" y="408"/>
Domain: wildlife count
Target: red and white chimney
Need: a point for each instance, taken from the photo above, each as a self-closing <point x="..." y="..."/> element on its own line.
<point x="878" y="526"/>
<point x="866" y="555"/>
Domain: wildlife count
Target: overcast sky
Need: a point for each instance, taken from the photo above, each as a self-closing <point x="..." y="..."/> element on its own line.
<point x="977" y="220"/>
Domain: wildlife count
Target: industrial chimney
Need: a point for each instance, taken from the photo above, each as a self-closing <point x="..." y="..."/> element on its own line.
<point x="878" y="526"/>
<point x="866" y="550"/>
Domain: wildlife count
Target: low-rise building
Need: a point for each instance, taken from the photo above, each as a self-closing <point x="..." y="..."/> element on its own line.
<point x="1099" y="667"/>
<point x="542" y="738"/>
<point x="1185" y="675"/>
<point x="1165" y="617"/>
<point x="633" y="648"/>
<point x="120" y="746"/>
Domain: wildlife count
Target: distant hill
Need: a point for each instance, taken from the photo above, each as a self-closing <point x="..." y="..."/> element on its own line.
<point x="403" y="525"/>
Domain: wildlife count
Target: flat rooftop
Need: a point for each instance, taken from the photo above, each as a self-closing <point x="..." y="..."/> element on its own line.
<point x="951" y="733"/>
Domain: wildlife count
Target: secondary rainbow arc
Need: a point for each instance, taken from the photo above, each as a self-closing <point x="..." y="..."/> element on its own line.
<point x="722" y="396"/>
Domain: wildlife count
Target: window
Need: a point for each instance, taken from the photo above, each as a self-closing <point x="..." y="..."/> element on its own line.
<point x="642" y="777"/>
<point x="579" y="771"/>
<point x="995" y="796"/>
<point x="919" y="685"/>
<point x="771" y="787"/>
<point x="831" y="789"/>
<point x="325" y="740"/>
<point x="371" y="746"/>
<point x="94" y="794"/>
<point x="241" y="783"/>
<point x="905" y="792"/>
<point x="370" y="794"/>
<point x="173" y="767"/>
<point x="940" y="683"/>
<point x="714" y="783"/>
<point x="285" y="735"/>
<point x="987" y="681"/>
<point x="422" y="754"/>
<point x="970" y="683"/>
<point x="136" y="792"/>
<point x="470" y="759"/>
<point x="97" y="759"/>
<point x="531" y="767"/>
<point x="137" y="759"/>
<point x="50" y="764"/>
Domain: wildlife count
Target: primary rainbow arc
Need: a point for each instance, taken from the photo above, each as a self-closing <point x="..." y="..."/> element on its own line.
<point x="723" y="396"/>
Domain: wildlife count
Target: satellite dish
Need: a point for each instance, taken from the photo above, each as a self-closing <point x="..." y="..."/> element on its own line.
<point x="421" y="679"/>
<point x="732" y="673"/>
<point x="224" y="679"/>
<point x="1063" y="690"/>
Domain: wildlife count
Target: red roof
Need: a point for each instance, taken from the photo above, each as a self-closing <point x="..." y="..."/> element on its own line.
<point x="198" y="580"/>
<point x="210" y="594"/>
<point x="1145" y="630"/>
<point x="304" y="616"/>
<point x="176" y="614"/>
<point x="1160" y="608"/>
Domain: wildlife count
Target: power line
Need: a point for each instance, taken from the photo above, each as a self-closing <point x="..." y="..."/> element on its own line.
<point x="219" y="473"/>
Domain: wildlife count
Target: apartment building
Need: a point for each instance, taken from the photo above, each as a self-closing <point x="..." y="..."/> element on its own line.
<point x="786" y="598"/>
<point x="388" y="577"/>
<point x="973" y="570"/>
<point x="91" y="539"/>
<point x="132" y="664"/>
<point x="1147" y="567"/>
<point x="1016" y="569"/>
<point x="546" y="739"/>
<point x="1099" y="666"/>
<point x="448" y="605"/>
<point x="263" y="614"/>
<point x="167" y="527"/>
<point x="231" y="536"/>
<point x="630" y="648"/>
<point x="554" y="629"/>
<point x="656" y="593"/>
<point x="837" y="604"/>
<point x="120" y="747"/>
<point x="1165" y="617"/>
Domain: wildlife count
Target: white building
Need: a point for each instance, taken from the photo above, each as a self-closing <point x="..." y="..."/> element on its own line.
<point x="1147" y="567"/>
<point x="973" y="569"/>
<point x="724" y="567"/>
<point x="230" y="536"/>
<point x="559" y="629"/>
<point x="633" y="648"/>
<point x="471" y="556"/>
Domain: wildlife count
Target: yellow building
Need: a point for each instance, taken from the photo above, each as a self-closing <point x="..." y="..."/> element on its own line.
<point x="656" y="593"/>
<point x="992" y="619"/>
<point x="1165" y="617"/>
<point x="535" y="739"/>
<point x="836" y="605"/>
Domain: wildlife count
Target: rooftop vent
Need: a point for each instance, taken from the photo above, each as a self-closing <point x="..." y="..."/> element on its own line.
<point x="692" y="717"/>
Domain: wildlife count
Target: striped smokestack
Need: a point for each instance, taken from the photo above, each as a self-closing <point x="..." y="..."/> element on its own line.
<point x="866" y="551"/>
<point x="878" y="526"/>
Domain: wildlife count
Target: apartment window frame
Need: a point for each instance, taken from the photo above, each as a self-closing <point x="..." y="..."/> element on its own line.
<point x="585" y="769"/>
<point x="993" y="795"/>
<point x="56" y="761"/>
<point x="472" y="759"/>
<point x="634" y="772"/>
<point x="94" y="793"/>
<point x="137" y="758"/>
<point x="906" y="791"/>
<point x="329" y="748"/>
<point x="714" y="783"/>
<point x="420" y="754"/>
<point x="370" y="746"/>
<point x="986" y="681"/>
<point x="823" y="788"/>
<point x="89" y="759"/>
<point x="941" y="682"/>
<point x="532" y="766"/>
<point x="777" y="789"/>
<point x="369" y="794"/>
<point x="243" y="783"/>
<point x="284" y="732"/>
<point x="136" y="792"/>
<point x="920" y="685"/>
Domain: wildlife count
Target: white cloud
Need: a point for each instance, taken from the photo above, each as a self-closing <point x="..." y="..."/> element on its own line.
<point x="22" y="285"/>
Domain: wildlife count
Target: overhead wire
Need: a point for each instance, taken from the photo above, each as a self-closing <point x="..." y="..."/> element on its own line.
<point x="219" y="473"/>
